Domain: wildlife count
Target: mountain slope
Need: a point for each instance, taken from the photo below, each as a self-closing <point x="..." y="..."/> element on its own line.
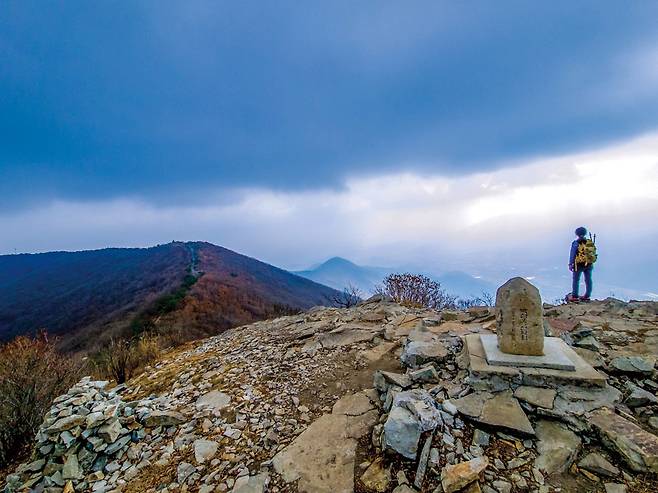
<point x="89" y="296"/>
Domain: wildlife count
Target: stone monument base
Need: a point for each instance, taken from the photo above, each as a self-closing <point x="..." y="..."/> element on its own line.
<point x="484" y="375"/>
<point x="554" y="357"/>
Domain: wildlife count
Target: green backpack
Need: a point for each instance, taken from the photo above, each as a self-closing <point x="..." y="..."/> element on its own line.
<point x="586" y="254"/>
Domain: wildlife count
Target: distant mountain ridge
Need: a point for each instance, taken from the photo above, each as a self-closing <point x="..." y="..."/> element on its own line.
<point x="196" y="288"/>
<point x="338" y="273"/>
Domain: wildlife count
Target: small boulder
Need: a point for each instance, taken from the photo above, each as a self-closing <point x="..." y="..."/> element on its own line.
<point x="402" y="432"/>
<point x="598" y="464"/>
<point x="204" y="450"/>
<point x="455" y="477"/>
<point x="557" y="446"/>
<point x="426" y="374"/>
<point x="215" y="400"/>
<point x="417" y="353"/>
<point x="251" y="484"/>
<point x="376" y="477"/>
<point x="71" y="469"/>
<point x="111" y="431"/>
<point x="633" y="364"/>
<point x="184" y="471"/>
<point x="384" y="379"/>
<point x="615" y="488"/>
<point x="537" y="396"/>
<point x="164" y="418"/>
<point x="639" y="397"/>
<point x="422" y="405"/>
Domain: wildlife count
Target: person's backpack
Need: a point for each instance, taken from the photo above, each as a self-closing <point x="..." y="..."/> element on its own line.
<point x="586" y="254"/>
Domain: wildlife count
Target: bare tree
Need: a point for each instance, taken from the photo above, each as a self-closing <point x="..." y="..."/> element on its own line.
<point x="416" y="290"/>
<point x="348" y="297"/>
<point x="485" y="299"/>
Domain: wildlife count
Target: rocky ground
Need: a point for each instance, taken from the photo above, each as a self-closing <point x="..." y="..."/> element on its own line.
<point x="377" y="397"/>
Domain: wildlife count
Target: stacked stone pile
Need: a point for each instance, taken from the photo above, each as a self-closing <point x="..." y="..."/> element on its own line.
<point x="84" y="441"/>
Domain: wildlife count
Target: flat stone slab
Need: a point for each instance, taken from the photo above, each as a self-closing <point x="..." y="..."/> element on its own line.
<point x="499" y="410"/>
<point x="322" y="457"/>
<point x="554" y="356"/>
<point x="637" y="447"/>
<point x="481" y="370"/>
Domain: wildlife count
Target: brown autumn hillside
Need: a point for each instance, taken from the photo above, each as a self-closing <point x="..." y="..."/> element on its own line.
<point x="195" y="288"/>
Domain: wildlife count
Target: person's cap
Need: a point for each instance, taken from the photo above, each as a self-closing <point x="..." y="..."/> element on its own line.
<point x="582" y="231"/>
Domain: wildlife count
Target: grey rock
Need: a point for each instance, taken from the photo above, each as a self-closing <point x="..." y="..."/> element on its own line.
<point x="427" y="374"/>
<point x="614" y="488"/>
<point x="422" y="405"/>
<point x="71" y="469"/>
<point x="118" y="445"/>
<point x="417" y="353"/>
<point x="557" y="446"/>
<point x="633" y="364"/>
<point x="251" y="484"/>
<point x="66" y="423"/>
<point x="639" y="397"/>
<point x="184" y="471"/>
<point x="94" y="419"/>
<point x="502" y="486"/>
<point x="537" y="396"/>
<point x="422" y="462"/>
<point x="34" y="466"/>
<point x="402" y="432"/>
<point x="481" y="438"/>
<point x="164" y="418"/>
<point x="637" y="447"/>
<point x="110" y="431"/>
<point x="501" y="410"/>
<point x="653" y="422"/>
<point x="214" y="400"/>
<point x="590" y="343"/>
<point x="204" y="450"/>
<point x="598" y="464"/>
<point x="384" y="379"/>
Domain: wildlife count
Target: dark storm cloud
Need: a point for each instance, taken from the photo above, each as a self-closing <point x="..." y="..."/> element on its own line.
<point x="165" y="101"/>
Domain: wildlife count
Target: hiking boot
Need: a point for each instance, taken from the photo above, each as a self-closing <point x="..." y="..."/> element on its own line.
<point x="572" y="299"/>
<point x="584" y="298"/>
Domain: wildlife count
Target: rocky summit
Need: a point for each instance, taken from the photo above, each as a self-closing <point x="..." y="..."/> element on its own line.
<point x="373" y="398"/>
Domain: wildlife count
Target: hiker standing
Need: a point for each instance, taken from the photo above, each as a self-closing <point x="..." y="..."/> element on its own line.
<point x="581" y="261"/>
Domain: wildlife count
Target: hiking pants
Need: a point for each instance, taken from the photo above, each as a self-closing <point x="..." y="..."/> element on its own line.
<point x="587" y="270"/>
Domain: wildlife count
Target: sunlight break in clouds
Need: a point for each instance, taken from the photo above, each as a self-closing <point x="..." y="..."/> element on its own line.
<point x="390" y="214"/>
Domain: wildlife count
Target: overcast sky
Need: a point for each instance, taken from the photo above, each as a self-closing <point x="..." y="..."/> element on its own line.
<point x="448" y="133"/>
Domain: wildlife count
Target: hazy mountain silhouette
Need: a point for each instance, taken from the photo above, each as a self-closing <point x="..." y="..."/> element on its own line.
<point x="338" y="273"/>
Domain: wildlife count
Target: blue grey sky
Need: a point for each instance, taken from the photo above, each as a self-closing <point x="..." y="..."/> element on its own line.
<point x="136" y="122"/>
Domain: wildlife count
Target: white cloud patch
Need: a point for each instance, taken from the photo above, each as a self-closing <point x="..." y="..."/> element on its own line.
<point x="397" y="218"/>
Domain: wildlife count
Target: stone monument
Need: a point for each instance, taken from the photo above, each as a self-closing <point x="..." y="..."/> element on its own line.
<point x="519" y="317"/>
<point x="519" y="340"/>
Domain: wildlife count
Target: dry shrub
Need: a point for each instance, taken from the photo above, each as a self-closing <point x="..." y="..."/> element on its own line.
<point x="122" y="357"/>
<point x="348" y="297"/>
<point x="32" y="374"/>
<point x="417" y="291"/>
<point x="485" y="299"/>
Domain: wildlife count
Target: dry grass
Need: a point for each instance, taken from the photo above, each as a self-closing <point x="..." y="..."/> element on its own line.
<point x="122" y="358"/>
